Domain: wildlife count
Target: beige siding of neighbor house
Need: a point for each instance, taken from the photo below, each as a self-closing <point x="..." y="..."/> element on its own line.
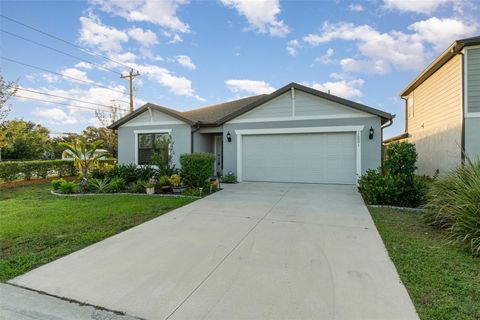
<point x="434" y="119"/>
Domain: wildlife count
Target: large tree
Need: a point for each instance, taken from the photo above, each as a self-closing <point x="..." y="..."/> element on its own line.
<point x="91" y="134"/>
<point x="7" y="90"/>
<point x="24" y="140"/>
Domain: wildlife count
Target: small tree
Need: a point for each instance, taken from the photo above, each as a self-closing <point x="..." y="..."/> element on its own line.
<point x="7" y="90"/>
<point x="84" y="157"/>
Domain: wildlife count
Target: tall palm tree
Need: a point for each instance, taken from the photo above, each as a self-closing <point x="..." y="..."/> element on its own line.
<point x="84" y="156"/>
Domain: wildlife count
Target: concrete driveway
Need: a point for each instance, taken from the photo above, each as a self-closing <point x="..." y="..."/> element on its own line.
<point x="251" y="251"/>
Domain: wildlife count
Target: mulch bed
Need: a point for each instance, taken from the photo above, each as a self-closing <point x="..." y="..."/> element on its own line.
<point x="19" y="183"/>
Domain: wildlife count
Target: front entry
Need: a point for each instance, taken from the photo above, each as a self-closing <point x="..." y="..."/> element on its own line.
<point x="218" y="150"/>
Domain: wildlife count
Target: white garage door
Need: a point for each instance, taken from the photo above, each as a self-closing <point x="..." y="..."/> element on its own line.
<point x="306" y="157"/>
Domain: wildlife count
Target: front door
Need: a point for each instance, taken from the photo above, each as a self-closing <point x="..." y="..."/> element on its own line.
<point x="218" y="150"/>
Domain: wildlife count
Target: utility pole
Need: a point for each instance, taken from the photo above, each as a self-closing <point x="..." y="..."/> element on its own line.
<point x="131" y="75"/>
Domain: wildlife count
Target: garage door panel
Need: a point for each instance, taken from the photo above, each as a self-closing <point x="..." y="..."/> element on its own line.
<point x="312" y="158"/>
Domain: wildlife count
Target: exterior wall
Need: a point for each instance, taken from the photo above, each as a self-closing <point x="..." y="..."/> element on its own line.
<point x="434" y="119"/>
<point x="181" y="136"/>
<point x="304" y="106"/>
<point x="155" y="117"/>
<point x="370" y="151"/>
<point x="472" y="103"/>
<point x="472" y="138"/>
<point x="202" y="142"/>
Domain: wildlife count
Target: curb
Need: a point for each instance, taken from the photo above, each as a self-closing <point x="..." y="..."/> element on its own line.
<point x="398" y="208"/>
<point x="120" y="194"/>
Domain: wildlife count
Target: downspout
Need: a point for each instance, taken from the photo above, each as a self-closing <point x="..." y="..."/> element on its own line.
<point x="195" y="128"/>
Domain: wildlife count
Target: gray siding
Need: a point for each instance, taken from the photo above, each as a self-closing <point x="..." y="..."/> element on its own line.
<point x="181" y="136"/>
<point x="472" y="138"/>
<point x="473" y="80"/>
<point x="371" y="149"/>
<point x="202" y="142"/>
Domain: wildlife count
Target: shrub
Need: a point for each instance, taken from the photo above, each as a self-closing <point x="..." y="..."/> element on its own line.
<point x="11" y="170"/>
<point x="117" y="184"/>
<point x="229" y="178"/>
<point x="146" y="172"/>
<point x="453" y="203"/>
<point x="196" y="168"/>
<point x="139" y="186"/>
<point x="164" y="181"/>
<point x="67" y="187"/>
<point x="98" y="185"/>
<point x="175" y="180"/>
<point x="56" y="183"/>
<point x="397" y="184"/>
<point x="127" y="172"/>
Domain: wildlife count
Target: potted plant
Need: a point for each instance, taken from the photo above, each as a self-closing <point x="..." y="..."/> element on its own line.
<point x="165" y="184"/>
<point x="176" y="183"/>
<point x="150" y="186"/>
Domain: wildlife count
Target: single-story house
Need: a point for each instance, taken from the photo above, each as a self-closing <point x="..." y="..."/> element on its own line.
<point x="442" y="109"/>
<point x="295" y="134"/>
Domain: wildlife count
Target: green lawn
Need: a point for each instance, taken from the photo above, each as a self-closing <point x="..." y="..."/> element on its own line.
<point x="443" y="279"/>
<point x="37" y="227"/>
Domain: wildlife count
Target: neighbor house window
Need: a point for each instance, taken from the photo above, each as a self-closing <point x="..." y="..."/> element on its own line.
<point x="153" y="147"/>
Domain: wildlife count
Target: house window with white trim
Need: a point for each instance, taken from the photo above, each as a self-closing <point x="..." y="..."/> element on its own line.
<point x="153" y="147"/>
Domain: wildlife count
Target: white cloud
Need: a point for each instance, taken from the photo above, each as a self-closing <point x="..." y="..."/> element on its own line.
<point x="180" y="86"/>
<point x="175" y="39"/>
<point x="383" y="51"/>
<point x="249" y="86"/>
<point x="293" y="46"/>
<point x="356" y="7"/>
<point x="55" y="116"/>
<point x="162" y="13"/>
<point x="326" y="58"/>
<point x="70" y="73"/>
<point x="95" y="34"/>
<point x="83" y="65"/>
<point x="442" y="32"/>
<point x="261" y="15"/>
<point x="418" y="6"/>
<point x="346" y="88"/>
<point x="146" y="38"/>
<point x="186" y="62"/>
<point x="50" y="78"/>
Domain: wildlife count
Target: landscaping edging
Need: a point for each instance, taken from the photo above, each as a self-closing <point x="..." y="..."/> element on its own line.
<point x="397" y="208"/>
<point x="120" y="193"/>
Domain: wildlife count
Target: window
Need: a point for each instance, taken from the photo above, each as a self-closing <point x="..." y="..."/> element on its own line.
<point x="151" y="146"/>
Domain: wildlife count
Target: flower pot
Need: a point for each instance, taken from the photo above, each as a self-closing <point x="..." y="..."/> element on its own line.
<point x="166" y="189"/>
<point x="151" y="190"/>
<point x="179" y="189"/>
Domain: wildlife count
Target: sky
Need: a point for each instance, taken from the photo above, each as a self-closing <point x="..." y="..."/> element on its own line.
<point x="196" y="53"/>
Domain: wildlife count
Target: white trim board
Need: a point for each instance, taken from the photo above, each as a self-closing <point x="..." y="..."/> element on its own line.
<point x="136" y="132"/>
<point x="297" y="118"/>
<point x="466" y="113"/>
<point x="357" y="129"/>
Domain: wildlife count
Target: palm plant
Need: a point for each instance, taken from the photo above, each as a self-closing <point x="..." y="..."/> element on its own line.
<point x="84" y="157"/>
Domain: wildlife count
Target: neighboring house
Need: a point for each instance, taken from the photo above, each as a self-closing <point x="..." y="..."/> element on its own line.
<point x="295" y="134"/>
<point x="442" y="109"/>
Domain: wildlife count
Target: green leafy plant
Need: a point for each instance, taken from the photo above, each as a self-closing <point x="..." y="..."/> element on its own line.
<point x="116" y="184"/>
<point x="163" y="159"/>
<point x="175" y="180"/>
<point x="146" y="172"/>
<point x="98" y="185"/>
<point x="196" y="169"/>
<point x="57" y="183"/>
<point x="67" y="187"/>
<point x="128" y="172"/>
<point x="164" y="181"/>
<point x="229" y="178"/>
<point x="453" y="203"/>
<point x="84" y="157"/>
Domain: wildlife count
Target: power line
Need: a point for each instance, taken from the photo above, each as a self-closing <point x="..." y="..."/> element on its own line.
<point x="62" y="75"/>
<point x="59" y="103"/>
<point x="73" y="99"/>
<point x="64" y="41"/>
<point x="59" y="51"/>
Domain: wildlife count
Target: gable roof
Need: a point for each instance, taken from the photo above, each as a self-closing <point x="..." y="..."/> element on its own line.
<point x="436" y="64"/>
<point x="218" y="114"/>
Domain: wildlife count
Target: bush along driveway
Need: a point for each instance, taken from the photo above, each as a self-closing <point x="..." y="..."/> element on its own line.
<point x="442" y="278"/>
<point x="37" y="227"/>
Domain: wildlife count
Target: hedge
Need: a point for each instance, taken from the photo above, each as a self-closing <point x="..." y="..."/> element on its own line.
<point x="196" y="168"/>
<point x="26" y="170"/>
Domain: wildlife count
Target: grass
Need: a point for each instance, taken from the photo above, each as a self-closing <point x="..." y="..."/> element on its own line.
<point x="442" y="278"/>
<point x="37" y="227"/>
